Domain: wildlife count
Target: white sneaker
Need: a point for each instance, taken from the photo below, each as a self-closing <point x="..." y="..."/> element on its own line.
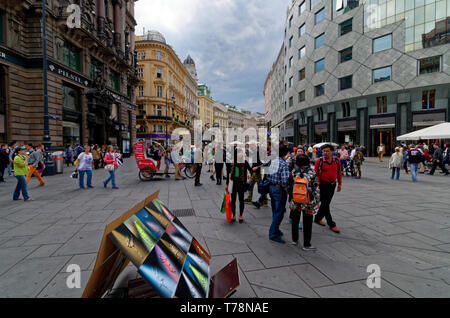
<point x="294" y="243"/>
<point x="310" y="248"/>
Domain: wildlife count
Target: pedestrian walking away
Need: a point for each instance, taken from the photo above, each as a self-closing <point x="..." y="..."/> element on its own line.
<point x="279" y="182"/>
<point x="112" y="164"/>
<point x="4" y="161"/>
<point x="36" y="163"/>
<point x="329" y="172"/>
<point x="239" y="175"/>
<point x="414" y="157"/>
<point x="395" y="163"/>
<point x="20" y="172"/>
<point x="84" y="167"/>
<point x="304" y="197"/>
<point x="96" y="156"/>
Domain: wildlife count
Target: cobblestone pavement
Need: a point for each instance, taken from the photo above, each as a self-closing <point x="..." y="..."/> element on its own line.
<point x="400" y="226"/>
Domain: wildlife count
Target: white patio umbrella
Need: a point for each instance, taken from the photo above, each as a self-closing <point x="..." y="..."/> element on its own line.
<point x="325" y="143"/>
<point x="441" y="131"/>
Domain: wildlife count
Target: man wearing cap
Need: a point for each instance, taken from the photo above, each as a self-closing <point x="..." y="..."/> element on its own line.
<point x="20" y="172"/>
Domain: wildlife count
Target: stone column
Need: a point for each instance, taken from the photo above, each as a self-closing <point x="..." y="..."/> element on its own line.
<point x="117" y="24"/>
<point x="101" y="18"/>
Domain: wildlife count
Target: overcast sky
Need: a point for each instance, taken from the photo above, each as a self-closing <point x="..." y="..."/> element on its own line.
<point x="233" y="42"/>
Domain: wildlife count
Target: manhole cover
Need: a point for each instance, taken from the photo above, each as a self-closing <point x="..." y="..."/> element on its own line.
<point x="183" y="212"/>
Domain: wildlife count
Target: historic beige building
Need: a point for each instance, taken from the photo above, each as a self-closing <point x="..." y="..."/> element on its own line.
<point x="191" y="81"/>
<point x="206" y="108"/>
<point x="220" y="117"/>
<point x="163" y="94"/>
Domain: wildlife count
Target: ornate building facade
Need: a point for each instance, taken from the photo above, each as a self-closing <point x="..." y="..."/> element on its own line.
<point x="91" y="73"/>
<point x="206" y="108"/>
<point x="165" y="91"/>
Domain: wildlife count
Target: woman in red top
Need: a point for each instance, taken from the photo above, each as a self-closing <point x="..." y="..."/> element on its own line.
<point x="111" y="164"/>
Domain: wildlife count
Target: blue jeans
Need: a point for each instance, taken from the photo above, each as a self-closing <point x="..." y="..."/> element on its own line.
<point x="81" y="178"/>
<point x="21" y="186"/>
<point x="9" y="169"/>
<point x="414" y="168"/>
<point x="278" y="199"/>
<point x="393" y="173"/>
<point x="112" y="178"/>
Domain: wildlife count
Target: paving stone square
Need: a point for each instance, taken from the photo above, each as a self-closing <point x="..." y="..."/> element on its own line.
<point x="401" y="226"/>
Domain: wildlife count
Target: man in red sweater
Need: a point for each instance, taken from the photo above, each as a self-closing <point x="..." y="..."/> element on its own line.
<point x="329" y="172"/>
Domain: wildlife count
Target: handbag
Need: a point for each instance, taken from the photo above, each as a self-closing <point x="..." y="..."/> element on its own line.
<point x="74" y="175"/>
<point x="109" y="168"/>
<point x="223" y="209"/>
<point x="228" y="210"/>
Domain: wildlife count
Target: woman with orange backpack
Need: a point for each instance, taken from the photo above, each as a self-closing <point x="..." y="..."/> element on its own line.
<point x="304" y="197"/>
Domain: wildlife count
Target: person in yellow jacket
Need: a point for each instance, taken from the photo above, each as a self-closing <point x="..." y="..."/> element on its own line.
<point x="20" y="172"/>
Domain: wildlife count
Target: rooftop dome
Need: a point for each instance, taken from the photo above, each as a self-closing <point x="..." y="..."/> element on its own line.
<point x="189" y="61"/>
<point x="155" y="36"/>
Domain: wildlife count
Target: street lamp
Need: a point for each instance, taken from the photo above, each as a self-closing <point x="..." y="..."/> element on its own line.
<point x="167" y="107"/>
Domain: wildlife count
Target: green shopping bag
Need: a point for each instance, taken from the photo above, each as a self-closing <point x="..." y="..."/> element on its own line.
<point x="223" y="210"/>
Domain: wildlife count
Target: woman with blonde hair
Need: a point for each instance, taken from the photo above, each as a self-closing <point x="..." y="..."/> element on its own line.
<point x="395" y="163"/>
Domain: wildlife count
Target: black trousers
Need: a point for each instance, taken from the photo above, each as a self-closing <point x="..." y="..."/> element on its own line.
<point x="219" y="168"/>
<point x="96" y="163"/>
<point x="238" y="190"/>
<point x="2" y="172"/>
<point x="228" y="166"/>
<point x="405" y="166"/>
<point x="436" y="164"/>
<point x="307" y="226"/>
<point x="326" y="195"/>
<point x="198" y="172"/>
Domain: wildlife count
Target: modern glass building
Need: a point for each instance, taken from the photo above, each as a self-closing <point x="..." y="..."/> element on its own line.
<point x="363" y="71"/>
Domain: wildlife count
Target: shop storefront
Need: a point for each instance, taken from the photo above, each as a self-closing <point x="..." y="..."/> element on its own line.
<point x="428" y="118"/>
<point x="382" y="130"/>
<point x="346" y="131"/>
<point x="320" y="132"/>
<point x="303" y="134"/>
<point x="2" y="105"/>
<point x="71" y="115"/>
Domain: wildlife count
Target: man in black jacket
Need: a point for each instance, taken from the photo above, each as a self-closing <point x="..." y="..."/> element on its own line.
<point x="437" y="161"/>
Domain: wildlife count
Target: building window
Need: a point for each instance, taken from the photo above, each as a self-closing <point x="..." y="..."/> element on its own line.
<point x="160" y="128"/>
<point x="158" y="56"/>
<point x="290" y="21"/>
<point x="140" y="72"/>
<point x="428" y="99"/>
<point x="302" y="52"/>
<point x="72" y="57"/>
<point x="141" y="55"/>
<point x="382" y="43"/>
<point x="1" y="27"/>
<point x="319" y="66"/>
<point x="381" y="104"/>
<point x="382" y="74"/>
<point x="320" y="113"/>
<point x="301" y="30"/>
<point x="320" y="40"/>
<point x="157" y="110"/>
<point x="291" y="101"/>
<point x="302" y="8"/>
<point x="291" y="81"/>
<point x="71" y="99"/>
<point x="141" y="91"/>
<point x="114" y="112"/>
<point x="301" y="74"/>
<point x="290" y="61"/>
<point x="159" y="91"/>
<point x="430" y="65"/>
<point x="315" y="3"/>
<point x="346" y="82"/>
<point x="319" y="90"/>
<point x="158" y="73"/>
<point x="320" y="16"/>
<point x="346" y="27"/>
<point x="346" y="55"/>
<point x="95" y="67"/>
<point x="345" y="109"/>
<point x="301" y="96"/>
<point x="290" y="41"/>
<point x="114" y="80"/>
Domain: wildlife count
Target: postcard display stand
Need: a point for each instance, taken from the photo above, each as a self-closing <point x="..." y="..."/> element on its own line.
<point x="167" y="256"/>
